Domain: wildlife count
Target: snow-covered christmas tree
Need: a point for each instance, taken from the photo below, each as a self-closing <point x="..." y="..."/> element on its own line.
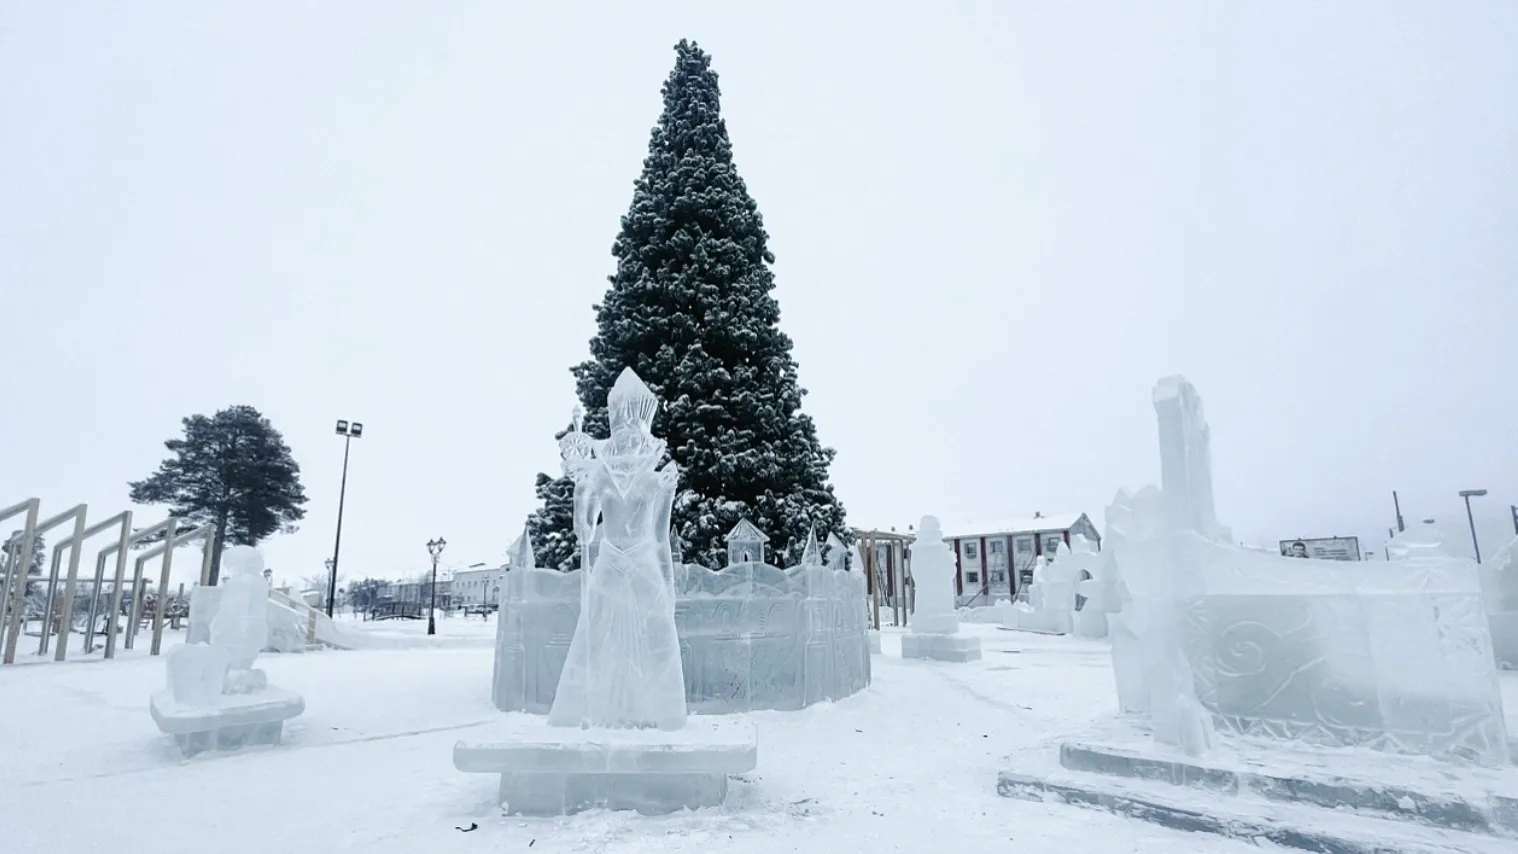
<point x="691" y="309"/>
<point x="550" y="528"/>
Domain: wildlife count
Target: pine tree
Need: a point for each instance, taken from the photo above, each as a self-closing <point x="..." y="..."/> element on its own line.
<point x="691" y="309"/>
<point x="233" y="470"/>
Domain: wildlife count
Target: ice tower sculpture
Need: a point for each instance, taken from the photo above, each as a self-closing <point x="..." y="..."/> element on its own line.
<point x="617" y="734"/>
<point x="934" y="629"/>
<point x="1185" y="458"/>
<point x="216" y="698"/>
<point x="745" y="544"/>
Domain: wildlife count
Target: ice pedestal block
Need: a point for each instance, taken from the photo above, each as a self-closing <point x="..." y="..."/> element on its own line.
<point x="954" y="647"/>
<point x="549" y="770"/>
<point x="875" y="641"/>
<point x="235" y="721"/>
<point x="1301" y="792"/>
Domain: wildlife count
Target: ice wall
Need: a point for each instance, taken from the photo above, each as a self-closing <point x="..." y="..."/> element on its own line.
<point x="752" y="636"/>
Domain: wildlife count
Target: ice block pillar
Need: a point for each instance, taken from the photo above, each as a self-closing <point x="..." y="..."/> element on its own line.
<point x="1185" y="458"/>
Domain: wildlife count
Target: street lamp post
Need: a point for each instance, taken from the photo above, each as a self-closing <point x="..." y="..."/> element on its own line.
<point x="332" y="591"/>
<point x="349" y="431"/>
<point x="435" y="549"/>
<point x="1468" y="494"/>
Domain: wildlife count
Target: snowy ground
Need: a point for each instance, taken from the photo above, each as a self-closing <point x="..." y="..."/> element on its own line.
<point x="907" y="765"/>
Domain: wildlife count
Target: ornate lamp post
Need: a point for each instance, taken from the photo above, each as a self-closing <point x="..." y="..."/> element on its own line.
<point x="435" y="549"/>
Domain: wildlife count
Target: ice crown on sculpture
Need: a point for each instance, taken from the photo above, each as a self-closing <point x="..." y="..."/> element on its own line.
<point x="631" y="402"/>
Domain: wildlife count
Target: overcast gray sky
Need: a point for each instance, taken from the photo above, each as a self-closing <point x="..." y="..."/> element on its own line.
<point x="996" y="225"/>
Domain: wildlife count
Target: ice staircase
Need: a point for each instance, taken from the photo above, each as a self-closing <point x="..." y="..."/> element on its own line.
<point x="1320" y="800"/>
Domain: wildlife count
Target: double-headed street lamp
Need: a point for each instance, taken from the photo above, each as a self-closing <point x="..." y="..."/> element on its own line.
<point x="1468" y="494"/>
<point x="434" y="548"/>
<point x="349" y="431"/>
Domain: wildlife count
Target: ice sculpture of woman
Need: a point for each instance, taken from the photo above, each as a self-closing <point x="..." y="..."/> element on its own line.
<point x="623" y="668"/>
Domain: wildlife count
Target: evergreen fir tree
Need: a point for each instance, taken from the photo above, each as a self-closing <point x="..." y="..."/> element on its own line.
<point x="691" y="309"/>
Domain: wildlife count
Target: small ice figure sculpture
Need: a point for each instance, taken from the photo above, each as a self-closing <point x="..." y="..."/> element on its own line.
<point x="933" y="570"/>
<point x="623" y="668"/>
<point x="215" y="697"/>
<point x="241" y="624"/>
<point x="934" y="628"/>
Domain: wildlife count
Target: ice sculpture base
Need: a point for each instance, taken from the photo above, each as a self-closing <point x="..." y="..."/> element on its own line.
<point x="874" y="636"/>
<point x="1295" y="795"/>
<point x="236" y="721"/>
<point x="954" y="647"/>
<point x="562" y="770"/>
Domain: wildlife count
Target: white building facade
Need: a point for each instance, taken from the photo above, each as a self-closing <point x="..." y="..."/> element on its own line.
<point x="476" y="586"/>
<point x="995" y="559"/>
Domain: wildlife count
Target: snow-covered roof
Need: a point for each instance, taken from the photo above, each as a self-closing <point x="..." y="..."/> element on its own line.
<point x="745" y="532"/>
<point x="1025" y="525"/>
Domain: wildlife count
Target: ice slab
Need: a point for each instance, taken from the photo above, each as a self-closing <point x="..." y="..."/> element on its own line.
<point x="234" y="721"/>
<point x="1247" y="783"/>
<point x="547" y="770"/>
<point x="874" y="636"/>
<point x="940" y="647"/>
<point x="1281" y="825"/>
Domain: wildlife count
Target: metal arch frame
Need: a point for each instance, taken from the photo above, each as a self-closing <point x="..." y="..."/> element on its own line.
<point x="12" y="594"/>
<point x="28" y="538"/>
<point x="168" y="526"/>
<point x="172" y="540"/>
<point x="65" y="626"/>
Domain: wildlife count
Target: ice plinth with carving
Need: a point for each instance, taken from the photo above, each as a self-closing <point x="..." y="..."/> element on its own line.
<point x="934" y="630"/>
<point x="216" y="699"/>
<point x="617" y="735"/>
<point x="1261" y="671"/>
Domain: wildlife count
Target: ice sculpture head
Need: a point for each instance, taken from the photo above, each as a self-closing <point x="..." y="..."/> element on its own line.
<point x="928" y="530"/>
<point x="631" y="405"/>
<point x="239" y="561"/>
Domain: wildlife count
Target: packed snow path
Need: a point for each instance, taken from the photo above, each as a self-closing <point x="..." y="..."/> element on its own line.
<point x="908" y="765"/>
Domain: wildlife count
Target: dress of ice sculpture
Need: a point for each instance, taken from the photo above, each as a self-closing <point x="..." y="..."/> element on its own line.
<point x="623" y="667"/>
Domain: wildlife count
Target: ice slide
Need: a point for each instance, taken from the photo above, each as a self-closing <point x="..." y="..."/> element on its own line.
<point x="295" y="626"/>
<point x="291" y="629"/>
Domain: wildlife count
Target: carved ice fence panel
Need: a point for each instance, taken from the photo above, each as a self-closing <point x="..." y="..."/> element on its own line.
<point x="1395" y="657"/>
<point x="751" y="636"/>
